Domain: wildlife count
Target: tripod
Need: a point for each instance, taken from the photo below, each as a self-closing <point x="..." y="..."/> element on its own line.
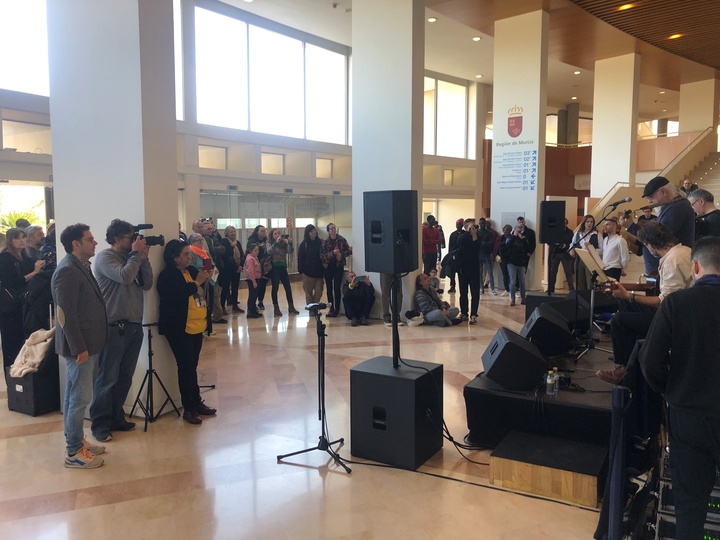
<point x="590" y="344"/>
<point x="323" y="443"/>
<point x="148" y="407"/>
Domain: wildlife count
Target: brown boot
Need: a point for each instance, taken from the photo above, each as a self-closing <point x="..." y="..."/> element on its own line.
<point x="278" y="313"/>
<point x="292" y="310"/>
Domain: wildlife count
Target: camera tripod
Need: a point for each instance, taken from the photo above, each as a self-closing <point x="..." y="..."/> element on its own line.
<point x="149" y="405"/>
<point x="323" y="443"/>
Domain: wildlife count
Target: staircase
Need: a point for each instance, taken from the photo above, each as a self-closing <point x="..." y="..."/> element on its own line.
<point x="707" y="174"/>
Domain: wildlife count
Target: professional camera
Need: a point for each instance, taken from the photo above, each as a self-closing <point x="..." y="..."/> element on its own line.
<point x="149" y="240"/>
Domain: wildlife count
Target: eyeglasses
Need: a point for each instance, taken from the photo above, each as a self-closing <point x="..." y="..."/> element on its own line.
<point x="693" y="202"/>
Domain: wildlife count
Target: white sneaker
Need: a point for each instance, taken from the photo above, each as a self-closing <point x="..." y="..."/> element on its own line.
<point x="504" y="293"/>
<point x="473" y="319"/>
<point x="494" y="292"/>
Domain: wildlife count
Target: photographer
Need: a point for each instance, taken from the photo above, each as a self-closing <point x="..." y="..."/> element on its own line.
<point x="123" y="272"/>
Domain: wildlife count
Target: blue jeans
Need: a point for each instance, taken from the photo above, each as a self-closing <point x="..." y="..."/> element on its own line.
<point x="437" y="318"/>
<point x="486" y="262"/>
<point x="518" y="271"/>
<point x="78" y="393"/>
<point x="116" y="367"/>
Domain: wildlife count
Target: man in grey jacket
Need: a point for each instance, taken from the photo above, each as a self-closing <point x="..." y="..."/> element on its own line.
<point x="80" y="329"/>
<point x="123" y="272"/>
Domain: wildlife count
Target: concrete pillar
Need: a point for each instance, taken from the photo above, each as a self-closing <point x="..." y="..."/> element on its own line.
<point x="114" y="144"/>
<point x="699" y="105"/>
<point x="573" y="122"/>
<point x="662" y="127"/>
<point x="562" y="126"/>
<point x="617" y="84"/>
<point x="519" y="110"/>
<point x="387" y="135"/>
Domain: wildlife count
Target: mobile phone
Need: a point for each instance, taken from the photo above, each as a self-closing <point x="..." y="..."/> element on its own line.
<point x="207" y="265"/>
<point x="285" y="235"/>
<point x="359" y="278"/>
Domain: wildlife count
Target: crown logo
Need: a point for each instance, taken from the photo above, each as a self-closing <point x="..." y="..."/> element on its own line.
<point x="515" y="111"/>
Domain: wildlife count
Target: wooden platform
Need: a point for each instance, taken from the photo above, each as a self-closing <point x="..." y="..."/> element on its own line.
<point x="567" y="470"/>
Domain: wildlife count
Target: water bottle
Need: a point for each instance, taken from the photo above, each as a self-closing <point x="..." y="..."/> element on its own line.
<point x="550" y="384"/>
<point x="556" y="374"/>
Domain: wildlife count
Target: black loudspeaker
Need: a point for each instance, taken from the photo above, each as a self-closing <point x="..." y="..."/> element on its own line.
<point x="396" y="415"/>
<point x="565" y="309"/>
<point x="391" y="231"/>
<point x="552" y="221"/>
<point x="513" y="362"/>
<point x="534" y="300"/>
<point x="548" y="331"/>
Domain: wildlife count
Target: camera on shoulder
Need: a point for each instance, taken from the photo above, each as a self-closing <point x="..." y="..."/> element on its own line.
<point x="149" y="240"/>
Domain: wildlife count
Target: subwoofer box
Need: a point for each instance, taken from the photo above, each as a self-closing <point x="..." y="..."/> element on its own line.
<point x="548" y="331"/>
<point x="513" y="362"/>
<point x="396" y="415"/>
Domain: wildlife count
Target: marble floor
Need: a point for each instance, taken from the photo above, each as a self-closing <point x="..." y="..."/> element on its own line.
<point x="222" y="480"/>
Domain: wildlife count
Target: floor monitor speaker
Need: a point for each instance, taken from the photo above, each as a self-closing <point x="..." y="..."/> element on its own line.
<point x="548" y="331"/>
<point x="513" y="362"/>
<point x="552" y="222"/>
<point x="566" y="310"/>
<point x="396" y="415"/>
<point x="391" y="231"/>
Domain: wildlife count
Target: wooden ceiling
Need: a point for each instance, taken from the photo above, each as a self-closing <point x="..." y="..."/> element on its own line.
<point x="583" y="31"/>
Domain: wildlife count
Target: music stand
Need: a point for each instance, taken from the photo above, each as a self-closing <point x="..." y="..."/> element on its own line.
<point x="148" y="407"/>
<point x="591" y="258"/>
<point x="323" y="443"/>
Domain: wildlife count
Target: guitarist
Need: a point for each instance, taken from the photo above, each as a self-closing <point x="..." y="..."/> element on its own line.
<point x="635" y="313"/>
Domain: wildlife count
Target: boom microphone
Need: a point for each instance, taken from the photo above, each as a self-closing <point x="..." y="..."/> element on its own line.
<point x="618" y="203"/>
<point x="143" y="226"/>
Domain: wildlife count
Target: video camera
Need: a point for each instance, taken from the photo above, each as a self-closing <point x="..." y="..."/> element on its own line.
<point x="149" y="240"/>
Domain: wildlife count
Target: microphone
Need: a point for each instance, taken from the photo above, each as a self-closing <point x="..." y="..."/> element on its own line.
<point x="617" y="203"/>
<point x="143" y="226"/>
<point x="316" y="306"/>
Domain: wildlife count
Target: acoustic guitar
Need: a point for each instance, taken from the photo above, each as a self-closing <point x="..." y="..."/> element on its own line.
<point x="634" y="245"/>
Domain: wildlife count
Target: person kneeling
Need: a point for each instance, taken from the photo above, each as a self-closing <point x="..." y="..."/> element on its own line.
<point x="358" y="296"/>
<point x="427" y="302"/>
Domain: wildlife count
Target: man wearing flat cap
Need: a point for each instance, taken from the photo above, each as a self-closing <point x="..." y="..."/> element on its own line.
<point x="676" y="214"/>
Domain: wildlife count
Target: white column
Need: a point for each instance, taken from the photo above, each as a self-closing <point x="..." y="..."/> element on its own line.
<point x="519" y="105"/>
<point x="615" y="105"/>
<point x="113" y="128"/>
<point x="699" y="105"/>
<point x="387" y="100"/>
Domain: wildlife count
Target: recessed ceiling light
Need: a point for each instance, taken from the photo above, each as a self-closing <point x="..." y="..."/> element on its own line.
<point x="675" y="36"/>
<point x="477" y="38"/>
<point x="576" y="73"/>
<point x="478" y="76"/>
<point x="662" y="91"/>
<point x="574" y="97"/>
<point x="664" y="110"/>
<point x="432" y="19"/>
<point x="626" y="6"/>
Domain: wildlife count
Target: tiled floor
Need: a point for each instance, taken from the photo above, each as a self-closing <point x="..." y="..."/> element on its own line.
<point x="222" y="479"/>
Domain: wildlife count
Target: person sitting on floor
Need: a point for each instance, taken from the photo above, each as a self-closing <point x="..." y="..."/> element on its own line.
<point x="435" y="311"/>
<point x="358" y="296"/>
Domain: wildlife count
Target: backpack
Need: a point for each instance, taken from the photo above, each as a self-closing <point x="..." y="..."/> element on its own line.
<point x="450" y="263"/>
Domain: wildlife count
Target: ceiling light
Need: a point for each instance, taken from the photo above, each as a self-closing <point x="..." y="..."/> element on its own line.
<point x="664" y="110"/>
<point x="662" y="91"/>
<point x="626" y="6"/>
<point x="478" y="76"/>
<point x="477" y="38"/>
<point x="574" y="97"/>
<point x="576" y="73"/>
<point x="675" y="36"/>
<point x="432" y="19"/>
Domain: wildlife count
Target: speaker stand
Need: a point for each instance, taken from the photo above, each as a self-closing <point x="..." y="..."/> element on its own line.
<point x="395" y="310"/>
<point x="323" y="443"/>
<point x="590" y="343"/>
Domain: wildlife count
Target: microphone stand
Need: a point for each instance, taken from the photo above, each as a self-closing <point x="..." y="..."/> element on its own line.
<point x="323" y="443"/>
<point x="590" y="344"/>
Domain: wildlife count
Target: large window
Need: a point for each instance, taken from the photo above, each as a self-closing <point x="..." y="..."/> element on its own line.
<point x="277" y="92"/>
<point x="446" y="113"/>
<point x="325" y="77"/>
<point x="221" y="70"/>
<point x="253" y="78"/>
<point x="24" y="46"/>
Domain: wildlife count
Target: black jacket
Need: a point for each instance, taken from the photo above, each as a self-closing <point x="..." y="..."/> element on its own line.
<point x="308" y="258"/>
<point x="174" y="292"/>
<point x="680" y="356"/>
